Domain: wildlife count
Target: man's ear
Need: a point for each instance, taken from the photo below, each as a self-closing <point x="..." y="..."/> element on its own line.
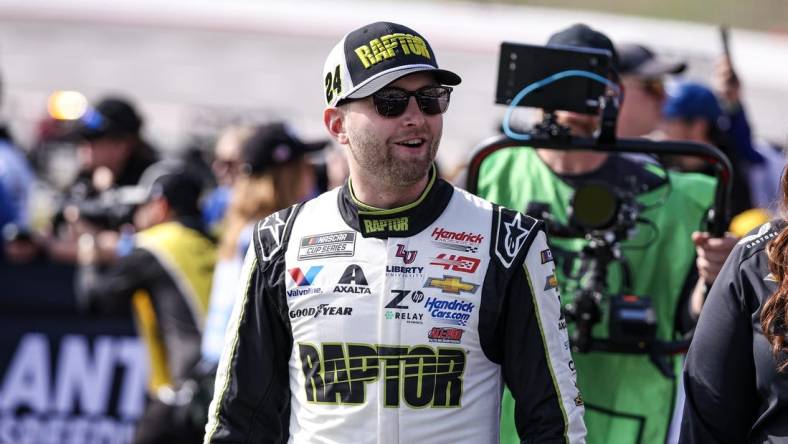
<point x="699" y="129"/>
<point x="334" y="120"/>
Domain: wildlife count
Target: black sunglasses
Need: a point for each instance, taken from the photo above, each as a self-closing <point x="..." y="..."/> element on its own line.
<point x="392" y="101"/>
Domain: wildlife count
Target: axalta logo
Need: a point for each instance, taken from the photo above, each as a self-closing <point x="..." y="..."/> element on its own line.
<point x="440" y="234"/>
<point x="445" y="334"/>
<point x="420" y="375"/>
<point x="352" y="281"/>
<point x="321" y="310"/>
<point x="449" y="312"/>
<point x="451" y="284"/>
<point x="397" y="225"/>
<point x="389" y="46"/>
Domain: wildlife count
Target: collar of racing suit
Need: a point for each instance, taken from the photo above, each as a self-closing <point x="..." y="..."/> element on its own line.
<point x="402" y="221"/>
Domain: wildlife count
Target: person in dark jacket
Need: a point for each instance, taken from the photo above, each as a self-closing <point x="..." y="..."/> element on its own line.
<point x="736" y="374"/>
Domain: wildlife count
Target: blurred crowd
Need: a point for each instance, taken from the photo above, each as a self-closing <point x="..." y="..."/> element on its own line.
<point x="180" y="227"/>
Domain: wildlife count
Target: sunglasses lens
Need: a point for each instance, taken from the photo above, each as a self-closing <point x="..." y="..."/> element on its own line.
<point x="390" y="102"/>
<point x="433" y="99"/>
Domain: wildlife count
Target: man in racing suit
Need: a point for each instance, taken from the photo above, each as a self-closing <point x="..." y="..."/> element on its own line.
<point x="394" y="308"/>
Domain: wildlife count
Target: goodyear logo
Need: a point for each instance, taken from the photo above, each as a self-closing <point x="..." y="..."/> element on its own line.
<point x="390" y="46"/>
<point x="451" y="284"/>
<point x="398" y="224"/>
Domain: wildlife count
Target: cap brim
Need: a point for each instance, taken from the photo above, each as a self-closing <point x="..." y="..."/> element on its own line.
<point x="316" y="146"/>
<point x="80" y="131"/>
<point x="133" y="195"/>
<point x="656" y="68"/>
<point x="375" y="84"/>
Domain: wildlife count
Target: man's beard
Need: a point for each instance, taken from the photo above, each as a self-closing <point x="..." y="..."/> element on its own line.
<point x="376" y="159"/>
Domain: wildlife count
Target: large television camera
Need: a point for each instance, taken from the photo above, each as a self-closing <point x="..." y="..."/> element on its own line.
<point x="107" y="210"/>
<point x="604" y="214"/>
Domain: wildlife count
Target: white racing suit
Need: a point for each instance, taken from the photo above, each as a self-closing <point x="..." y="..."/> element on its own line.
<point x="359" y="325"/>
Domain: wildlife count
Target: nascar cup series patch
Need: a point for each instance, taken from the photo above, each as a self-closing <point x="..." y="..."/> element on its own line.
<point x="339" y="244"/>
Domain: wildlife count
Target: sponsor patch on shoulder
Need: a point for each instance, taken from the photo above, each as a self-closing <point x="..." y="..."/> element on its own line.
<point x="550" y="282"/>
<point x="512" y="231"/>
<point x="547" y="256"/>
<point x="341" y="243"/>
<point x="763" y="235"/>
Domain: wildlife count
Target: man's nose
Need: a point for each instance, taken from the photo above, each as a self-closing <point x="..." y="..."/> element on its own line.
<point x="413" y="116"/>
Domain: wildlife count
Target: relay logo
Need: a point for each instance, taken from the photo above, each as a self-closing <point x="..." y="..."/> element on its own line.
<point x="303" y="280"/>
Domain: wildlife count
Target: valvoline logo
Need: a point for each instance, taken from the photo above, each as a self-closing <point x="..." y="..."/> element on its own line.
<point x="304" y="279"/>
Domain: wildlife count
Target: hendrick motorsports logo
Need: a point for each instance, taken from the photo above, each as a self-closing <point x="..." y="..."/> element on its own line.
<point x="321" y="310"/>
<point x="441" y="234"/>
<point x="342" y="243"/>
<point x="455" y="247"/>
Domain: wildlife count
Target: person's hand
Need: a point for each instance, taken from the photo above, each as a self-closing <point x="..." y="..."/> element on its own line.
<point x="726" y="82"/>
<point x="712" y="252"/>
<point x="87" y="253"/>
<point x="107" y="245"/>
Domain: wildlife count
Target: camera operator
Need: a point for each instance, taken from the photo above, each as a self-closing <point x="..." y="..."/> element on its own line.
<point x="642" y="77"/>
<point x="166" y="278"/>
<point x="628" y="397"/>
<point x="111" y="154"/>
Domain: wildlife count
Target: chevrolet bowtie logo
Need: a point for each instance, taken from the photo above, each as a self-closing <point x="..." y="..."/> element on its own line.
<point x="451" y="284"/>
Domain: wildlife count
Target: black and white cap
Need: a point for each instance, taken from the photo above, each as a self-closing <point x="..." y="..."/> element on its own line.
<point x="371" y="57"/>
<point x="638" y="60"/>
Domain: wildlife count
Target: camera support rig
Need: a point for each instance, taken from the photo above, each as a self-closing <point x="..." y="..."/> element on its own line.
<point x="603" y="246"/>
